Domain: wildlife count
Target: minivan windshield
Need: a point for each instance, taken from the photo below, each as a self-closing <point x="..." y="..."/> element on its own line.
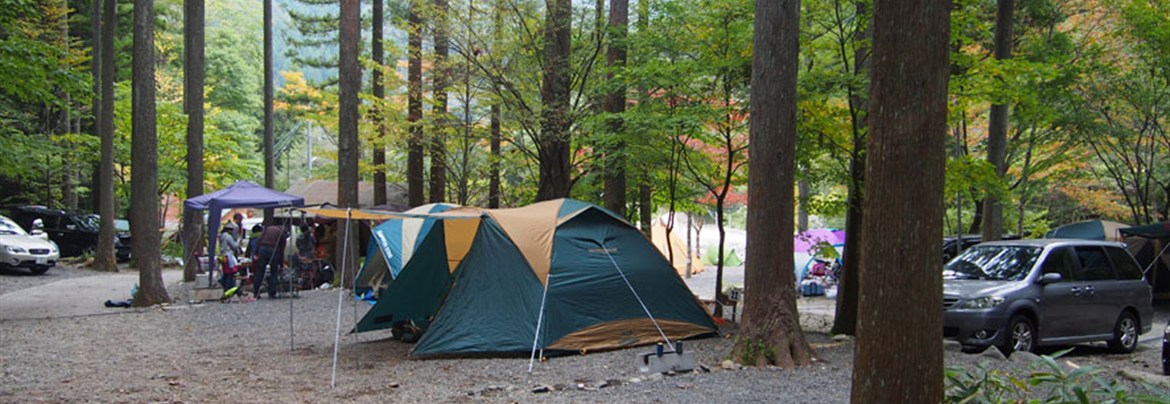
<point x="993" y="263"/>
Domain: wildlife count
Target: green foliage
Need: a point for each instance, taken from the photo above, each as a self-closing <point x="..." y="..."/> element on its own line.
<point x="751" y="350"/>
<point x="1047" y="382"/>
<point x="833" y="203"/>
<point x="973" y="178"/>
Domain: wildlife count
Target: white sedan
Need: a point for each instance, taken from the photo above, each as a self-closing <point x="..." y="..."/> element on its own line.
<point x="19" y="249"/>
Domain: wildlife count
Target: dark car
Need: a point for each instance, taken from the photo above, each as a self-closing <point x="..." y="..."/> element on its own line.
<point x="952" y="246"/>
<point x="75" y="233"/>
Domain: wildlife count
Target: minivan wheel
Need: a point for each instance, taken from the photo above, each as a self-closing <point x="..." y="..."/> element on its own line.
<point x="1125" y="334"/>
<point x="1021" y="335"/>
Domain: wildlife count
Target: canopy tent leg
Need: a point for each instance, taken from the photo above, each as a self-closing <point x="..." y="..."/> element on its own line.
<point x="340" y="293"/>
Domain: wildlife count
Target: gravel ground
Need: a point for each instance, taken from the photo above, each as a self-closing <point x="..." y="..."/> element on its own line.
<point x="240" y="352"/>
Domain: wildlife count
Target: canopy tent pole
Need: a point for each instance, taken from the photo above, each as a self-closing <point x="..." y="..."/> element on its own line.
<point x="539" y="322"/>
<point x="340" y="293"/>
<point x="353" y="282"/>
<point x="639" y="298"/>
<point x="291" y="345"/>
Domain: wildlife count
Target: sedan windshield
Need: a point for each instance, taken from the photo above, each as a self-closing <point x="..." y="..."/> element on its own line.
<point x="995" y="263"/>
<point x="10" y="228"/>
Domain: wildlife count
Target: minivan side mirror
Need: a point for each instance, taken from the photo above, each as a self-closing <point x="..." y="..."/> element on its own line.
<point x="1050" y="277"/>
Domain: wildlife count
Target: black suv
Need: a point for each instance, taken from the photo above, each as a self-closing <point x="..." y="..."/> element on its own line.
<point x="74" y="233"/>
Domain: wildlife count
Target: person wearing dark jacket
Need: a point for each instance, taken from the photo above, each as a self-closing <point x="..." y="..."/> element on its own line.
<point x="270" y="257"/>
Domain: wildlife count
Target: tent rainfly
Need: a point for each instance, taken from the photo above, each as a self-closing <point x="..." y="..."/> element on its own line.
<point x="393" y="243"/>
<point x="242" y="194"/>
<point x="559" y="275"/>
<point x="1089" y="230"/>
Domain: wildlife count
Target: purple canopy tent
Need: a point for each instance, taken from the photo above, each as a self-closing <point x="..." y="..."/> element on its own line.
<point x="242" y="194"/>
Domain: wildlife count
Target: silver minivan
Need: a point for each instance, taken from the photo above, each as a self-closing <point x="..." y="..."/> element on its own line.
<point x="1021" y="294"/>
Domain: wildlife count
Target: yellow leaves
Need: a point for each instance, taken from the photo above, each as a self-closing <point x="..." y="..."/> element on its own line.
<point x="1095" y="198"/>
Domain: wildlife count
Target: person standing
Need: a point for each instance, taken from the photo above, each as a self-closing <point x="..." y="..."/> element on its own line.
<point x="237" y="225"/>
<point x="270" y="258"/>
<point x="229" y="247"/>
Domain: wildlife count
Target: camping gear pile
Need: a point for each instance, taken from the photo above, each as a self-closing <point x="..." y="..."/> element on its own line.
<point x="559" y="276"/>
<point x="817" y="261"/>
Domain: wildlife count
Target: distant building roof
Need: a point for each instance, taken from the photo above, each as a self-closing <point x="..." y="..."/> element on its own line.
<point x="322" y="192"/>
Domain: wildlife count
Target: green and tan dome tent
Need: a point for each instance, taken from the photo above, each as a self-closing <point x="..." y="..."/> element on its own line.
<point x="559" y="275"/>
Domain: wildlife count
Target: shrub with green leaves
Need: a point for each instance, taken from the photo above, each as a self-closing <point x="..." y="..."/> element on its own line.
<point x="1046" y="382"/>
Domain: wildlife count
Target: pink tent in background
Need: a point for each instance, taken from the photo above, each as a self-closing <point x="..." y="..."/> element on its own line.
<point x="804" y="242"/>
<point x="805" y="248"/>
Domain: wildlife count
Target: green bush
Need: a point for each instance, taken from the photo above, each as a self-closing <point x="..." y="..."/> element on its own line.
<point x="1047" y="382"/>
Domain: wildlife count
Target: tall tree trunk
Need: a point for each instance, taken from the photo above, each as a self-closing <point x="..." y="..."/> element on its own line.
<point x="414" y="114"/>
<point x="494" y="192"/>
<point x="976" y="218"/>
<point x="95" y="70"/>
<point x="104" y="254"/>
<point x="615" y="104"/>
<point x="494" y="180"/>
<point x="899" y="356"/>
<point x="803" y="197"/>
<point x="845" y="317"/>
<point x="193" y="74"/>
<point x="645" y="206"/>
<point x="144" y="222"/>
<point x="68" y="192"/>
<point x="998" y="125"/>
<point x="441" y="79"/>
<point x="771" y="323"/>
<point x="721" y="253"/>
<point x="269" y="140"/>
<point x="379" y="115"/>
<point x="347" y="146"/>
<point x="553" y="145"/>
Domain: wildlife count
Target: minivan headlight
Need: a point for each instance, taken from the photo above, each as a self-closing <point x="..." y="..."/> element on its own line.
<point x="980" y="303"/>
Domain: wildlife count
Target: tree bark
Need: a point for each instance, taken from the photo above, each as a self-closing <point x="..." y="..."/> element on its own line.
<point x="95" y="70"/>
<point x="615" y="103"/>
<point x="68" y="188"/>
<point x="414" y="114"/>
<point x="494" y="176"/>
<point x="269" y="139"/>
<point x="645" y="207"/>
<point x="379" y="95"/>
<point x="104" y="253"/>
<point x="144" y="222"/>
<point x="998" y="125"/>
<point x="803" y="190"/>
<point x="441" y="79"/>
<point x="899" y="356"/>
<point x="553" y="145"/>
<point x="770" y="333"/>
<point x="347" y="146"/>
<point x="193" y="75"/>
<point x="845" y="315"/>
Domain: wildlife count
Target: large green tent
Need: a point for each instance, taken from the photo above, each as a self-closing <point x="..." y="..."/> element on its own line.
<point x="559" y="275"/>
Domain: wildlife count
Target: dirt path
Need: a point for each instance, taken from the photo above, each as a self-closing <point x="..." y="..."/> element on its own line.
<point x="74" y="296"/>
